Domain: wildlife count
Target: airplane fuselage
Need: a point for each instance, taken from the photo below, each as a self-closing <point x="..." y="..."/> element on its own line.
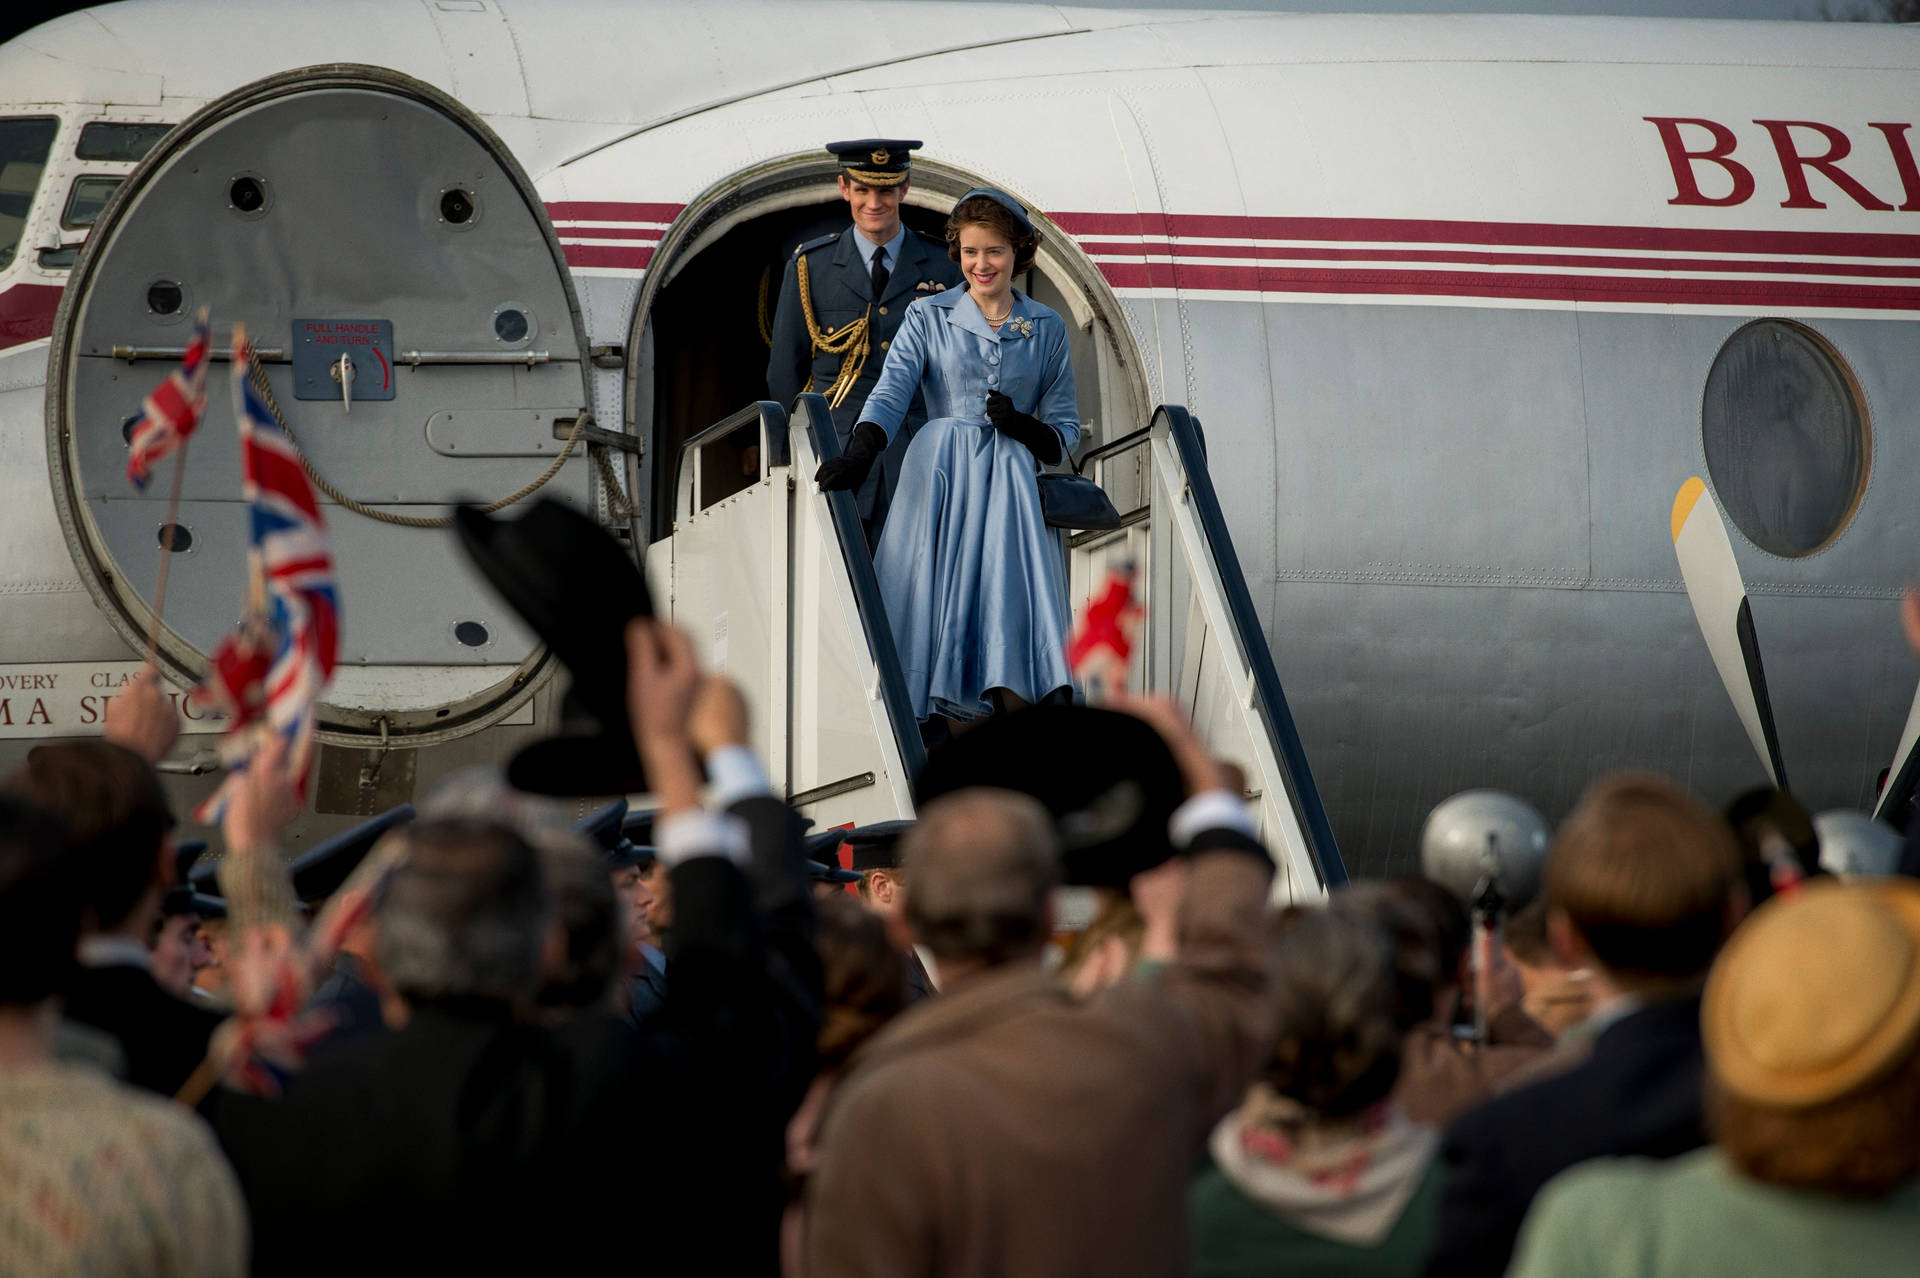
<point x="1461" y="303"/>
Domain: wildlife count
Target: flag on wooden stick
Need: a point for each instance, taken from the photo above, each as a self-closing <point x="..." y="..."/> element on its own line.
<point x="169" y="414"/>
<point x="294" y="565"/>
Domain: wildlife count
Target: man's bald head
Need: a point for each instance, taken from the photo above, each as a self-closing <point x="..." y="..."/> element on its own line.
<point x="981" y="865"/>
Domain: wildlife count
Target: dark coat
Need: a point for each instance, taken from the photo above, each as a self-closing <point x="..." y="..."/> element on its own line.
<point x="842" y="292"/>
<point x="646" y="993"/>
<point x="164" y="1038"/>
<point x="353" y="1004"/>
<point x="469" y="1141"/>
<point x="1636" y="1093"/>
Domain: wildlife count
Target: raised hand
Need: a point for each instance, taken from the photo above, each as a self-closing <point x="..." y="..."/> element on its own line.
<point x="1201" y="771"/>
<point x="719" y="715"/>
<point x="265" y="801"/>
<point x="141" y="718"/>
<point x="663" y="680"/>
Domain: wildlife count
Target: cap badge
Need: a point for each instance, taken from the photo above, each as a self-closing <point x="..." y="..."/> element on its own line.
<point x="881" y="157"/>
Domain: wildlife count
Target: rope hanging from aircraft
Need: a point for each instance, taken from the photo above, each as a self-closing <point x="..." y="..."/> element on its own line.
<point x="258" y="374"/>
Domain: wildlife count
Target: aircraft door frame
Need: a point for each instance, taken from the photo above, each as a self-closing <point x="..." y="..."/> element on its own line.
<point x="463" y="708"/>
<point x="808" y="178"/>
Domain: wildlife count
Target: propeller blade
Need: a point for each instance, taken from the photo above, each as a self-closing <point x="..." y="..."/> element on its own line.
<point x="1719" y="599"/>
<point x="1906" y="766"/>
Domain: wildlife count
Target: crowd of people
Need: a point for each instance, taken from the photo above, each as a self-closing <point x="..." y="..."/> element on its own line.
<point x="714" y="1049"/>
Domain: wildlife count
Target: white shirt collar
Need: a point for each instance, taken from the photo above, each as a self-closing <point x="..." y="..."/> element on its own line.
<point x="114" y="951"/>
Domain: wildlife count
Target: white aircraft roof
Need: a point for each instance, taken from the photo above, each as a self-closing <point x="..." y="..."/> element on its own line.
<point x="589" y="60"/>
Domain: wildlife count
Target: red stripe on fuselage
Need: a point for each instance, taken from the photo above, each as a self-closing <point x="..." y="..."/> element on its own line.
<point x="1691" y="291"/>
<point x="619" y="255"/>
<point x="26" y="313"/>
<point x="611" y="211"/>
<point x="1502" y="234"/>
<point x="1188" y="249"/>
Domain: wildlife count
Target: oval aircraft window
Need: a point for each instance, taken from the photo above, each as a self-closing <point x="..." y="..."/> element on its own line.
<point x="1786" y="436"/>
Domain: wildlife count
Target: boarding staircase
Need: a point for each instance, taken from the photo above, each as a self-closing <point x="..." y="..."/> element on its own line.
<point x="774" y="583"/>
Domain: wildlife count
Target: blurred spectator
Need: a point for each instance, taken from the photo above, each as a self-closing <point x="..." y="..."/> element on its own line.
<point x="1642" y="885"/>
<point x="1556" y="997"/>
<point x="866" y="986"/>
<point x="1007" y="1129"/>
<point x="179" y="952"/>
<point x="586" y="949"/>
<point x="876" y="854"/>
<point x="350" y="996"/>
<point x="1139" y="925"/>
<point x="1442" y="1069"/>
<point x="645" y="962"/>
<point x="1779" y="847"/>
<point x="119" y="828"/>
<point x="1812" y="1029"/>
<point x="1103" y="952"/>
<point x="95" y="1178"/>
<point x="210" y="981"/>
<point x="658" y="885"/>
<point x="478" y="1138"/>
<point x="1320" y="1172"/>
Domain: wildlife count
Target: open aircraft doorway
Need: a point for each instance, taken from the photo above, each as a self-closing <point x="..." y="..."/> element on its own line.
<point x="697" y="347"/>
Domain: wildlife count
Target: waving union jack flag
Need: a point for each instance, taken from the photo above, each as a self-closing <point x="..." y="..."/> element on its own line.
<point x="289" y="544"/>
<point x="169" y="414"/>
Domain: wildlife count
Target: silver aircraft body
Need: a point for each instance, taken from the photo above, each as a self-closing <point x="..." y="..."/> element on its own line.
<point x="1460" y="302"/>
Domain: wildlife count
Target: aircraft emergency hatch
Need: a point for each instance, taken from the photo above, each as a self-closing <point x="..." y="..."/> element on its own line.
<point x="336" y="211"/>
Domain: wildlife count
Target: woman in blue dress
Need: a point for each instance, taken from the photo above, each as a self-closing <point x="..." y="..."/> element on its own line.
<point x="973" y="579"/>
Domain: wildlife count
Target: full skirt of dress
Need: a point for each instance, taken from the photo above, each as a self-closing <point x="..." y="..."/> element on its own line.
<point x="973" y="579"/>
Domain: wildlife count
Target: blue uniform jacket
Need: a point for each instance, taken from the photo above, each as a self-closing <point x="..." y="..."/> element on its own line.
<point x="842" y="292"/>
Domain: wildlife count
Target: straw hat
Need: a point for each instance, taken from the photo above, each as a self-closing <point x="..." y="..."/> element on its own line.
<point x="1818" y="994"/>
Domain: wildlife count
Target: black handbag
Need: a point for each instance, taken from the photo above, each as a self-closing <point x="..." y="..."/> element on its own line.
<point x="1076" y="503"/>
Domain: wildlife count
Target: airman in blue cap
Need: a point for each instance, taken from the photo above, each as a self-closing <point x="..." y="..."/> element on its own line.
<point x="842" y="298"/>
<point x="628" y="864"/>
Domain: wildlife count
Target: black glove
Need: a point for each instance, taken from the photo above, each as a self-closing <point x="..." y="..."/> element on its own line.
<point x="1039" y="437"/>
<point x="849" y="470"/>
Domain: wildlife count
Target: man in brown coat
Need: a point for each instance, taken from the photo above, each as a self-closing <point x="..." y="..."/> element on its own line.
<point x="1006" y="1129"/>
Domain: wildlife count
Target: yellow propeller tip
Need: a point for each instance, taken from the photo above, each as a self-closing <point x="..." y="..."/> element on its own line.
<point x="1684" y="502"/>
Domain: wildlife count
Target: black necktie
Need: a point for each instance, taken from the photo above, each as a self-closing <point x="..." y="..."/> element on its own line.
<point x="880" y="273"/>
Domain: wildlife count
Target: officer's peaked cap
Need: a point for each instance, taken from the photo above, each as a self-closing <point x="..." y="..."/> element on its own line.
<point x="876" y="161"/>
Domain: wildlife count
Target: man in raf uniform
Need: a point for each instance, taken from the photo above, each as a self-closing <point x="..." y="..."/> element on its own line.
<point x="842" y="299"/>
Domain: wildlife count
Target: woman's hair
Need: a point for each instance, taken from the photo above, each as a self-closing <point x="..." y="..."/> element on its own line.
<point x="115" y="816"/>
<point x="1860" y="1146"/>
<point x="1338" y="1047"/>
<point x="864" y="976"/>
<point x="997" y="217"/>
<point x="1428" y="930"/>
<point x="1119" y="919"/>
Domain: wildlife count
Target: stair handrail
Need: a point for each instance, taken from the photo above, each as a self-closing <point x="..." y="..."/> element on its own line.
<point x="1189" y="445"/>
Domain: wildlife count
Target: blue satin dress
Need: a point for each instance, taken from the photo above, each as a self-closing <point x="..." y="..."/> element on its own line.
<point x="973" y="579"/>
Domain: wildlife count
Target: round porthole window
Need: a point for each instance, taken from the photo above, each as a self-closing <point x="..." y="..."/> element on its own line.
<point x="1786" y="435"/>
